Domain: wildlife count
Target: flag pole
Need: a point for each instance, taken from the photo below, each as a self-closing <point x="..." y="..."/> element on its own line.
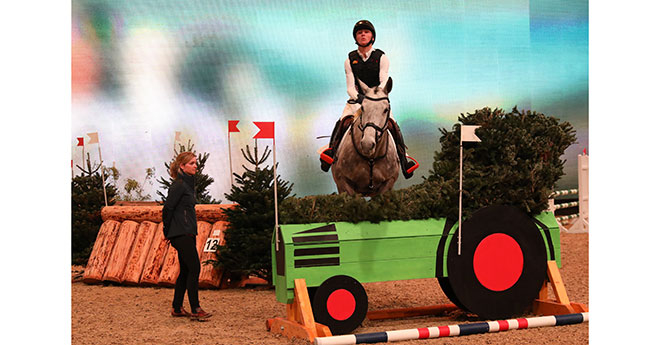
<point x="467" y="134"/>
<point x="275" y="190"/>
<point x="231" y="171"/>
<point x="83" y="156"/>
<point x="105" y="195"/>
<point x="460" y="196"/>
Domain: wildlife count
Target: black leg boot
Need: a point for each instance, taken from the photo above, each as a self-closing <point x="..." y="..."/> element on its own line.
<point x="407" y="167"/>
<point x="328" y="156"/>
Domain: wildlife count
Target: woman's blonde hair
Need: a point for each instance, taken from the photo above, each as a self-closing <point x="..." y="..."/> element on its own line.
<point x="182" y="158"/>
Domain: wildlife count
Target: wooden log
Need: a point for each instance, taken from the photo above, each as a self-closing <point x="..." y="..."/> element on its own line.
<point x="98" y="260"/>
<point x="210" y="213"/>
<point x="139" y="254"/>
<point x="154" y="263"/>
<point x="171" y="269"/>
<point x="210" y="276"/>
<point x="203" y="231"/>
<point x="114" y="272"/>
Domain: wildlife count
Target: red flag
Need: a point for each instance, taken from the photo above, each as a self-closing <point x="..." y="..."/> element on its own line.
<point x="266" y="130"/>
<point x="81" y="141"/>
<point x="232" y="126"/>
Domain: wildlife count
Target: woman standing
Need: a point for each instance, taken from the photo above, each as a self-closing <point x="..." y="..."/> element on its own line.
<point x="180" y="228"/>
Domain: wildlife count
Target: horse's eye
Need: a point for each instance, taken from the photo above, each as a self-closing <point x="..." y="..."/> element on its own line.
<point x="385" y="111"/>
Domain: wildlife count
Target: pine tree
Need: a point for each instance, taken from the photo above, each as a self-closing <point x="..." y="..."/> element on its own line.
<point x="251" y="222"/>
<point x="202" y="181"/>
<point x="517" y="162"/>
<point x="87" y="200"/>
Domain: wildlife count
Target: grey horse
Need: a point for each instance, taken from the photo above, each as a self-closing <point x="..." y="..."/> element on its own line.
<point x="366" y="161"/>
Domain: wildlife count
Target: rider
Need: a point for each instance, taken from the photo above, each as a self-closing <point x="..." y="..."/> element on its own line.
<point x="371" y="67"/>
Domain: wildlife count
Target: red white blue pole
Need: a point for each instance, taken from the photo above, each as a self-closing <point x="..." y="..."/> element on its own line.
<point x="454" y="330"/>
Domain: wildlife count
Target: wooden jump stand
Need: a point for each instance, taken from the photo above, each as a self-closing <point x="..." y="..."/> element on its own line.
<point x="544" y="306"/>
<point x="299" y="321"/>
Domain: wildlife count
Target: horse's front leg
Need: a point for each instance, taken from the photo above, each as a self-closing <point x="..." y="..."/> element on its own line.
<point x="346" y="187"/>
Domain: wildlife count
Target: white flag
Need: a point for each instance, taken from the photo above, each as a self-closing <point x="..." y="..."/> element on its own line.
<point x="467" y="134"/>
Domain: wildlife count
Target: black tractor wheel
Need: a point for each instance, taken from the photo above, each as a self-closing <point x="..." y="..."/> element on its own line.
<point x="340" y="303"/>
<point x="502" y="265"/>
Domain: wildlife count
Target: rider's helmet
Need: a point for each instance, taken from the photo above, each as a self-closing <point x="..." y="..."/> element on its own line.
<point x="364" y="25"/>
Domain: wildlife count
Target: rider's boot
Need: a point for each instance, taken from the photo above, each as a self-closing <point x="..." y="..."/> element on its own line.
<point x="328" y="155"/>
<point x="407" y="167"/>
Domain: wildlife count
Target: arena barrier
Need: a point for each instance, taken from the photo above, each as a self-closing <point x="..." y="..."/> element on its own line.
<point x="454" y="330"/>
<point x="582" y="215"/>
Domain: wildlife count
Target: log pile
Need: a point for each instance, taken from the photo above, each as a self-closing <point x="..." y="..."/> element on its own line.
<point x="130" y="248"/>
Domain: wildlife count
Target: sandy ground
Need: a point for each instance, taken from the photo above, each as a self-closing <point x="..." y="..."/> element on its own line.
<point x="140" y="315"/>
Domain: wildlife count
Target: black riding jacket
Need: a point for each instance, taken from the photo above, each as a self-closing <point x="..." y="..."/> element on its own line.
<point x="367" y="71"/>
<point x="179" y="216"/>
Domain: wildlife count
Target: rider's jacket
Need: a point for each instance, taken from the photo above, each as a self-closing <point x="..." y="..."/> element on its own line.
<point x="367" y="71"/>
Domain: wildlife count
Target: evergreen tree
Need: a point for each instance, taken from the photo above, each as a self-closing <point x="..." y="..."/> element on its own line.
<point x="87" y="200"/>
<point x="202" y="181"/>
<point x="251" y="222"/>
<point x="517" y="162"/>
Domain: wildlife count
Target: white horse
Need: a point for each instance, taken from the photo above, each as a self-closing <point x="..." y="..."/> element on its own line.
<point x="366" y="161"/>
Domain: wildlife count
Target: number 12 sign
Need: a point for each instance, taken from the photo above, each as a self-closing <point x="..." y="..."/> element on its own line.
<point x="211" y="244"/>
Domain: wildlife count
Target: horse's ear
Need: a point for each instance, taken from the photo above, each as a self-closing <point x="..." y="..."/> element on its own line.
<point x="388" y="86"/>
<point x="363" y="86"/>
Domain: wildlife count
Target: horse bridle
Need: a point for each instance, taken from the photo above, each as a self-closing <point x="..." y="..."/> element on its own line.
<point x="379" y="130"/>
<point x="379" y="133"/>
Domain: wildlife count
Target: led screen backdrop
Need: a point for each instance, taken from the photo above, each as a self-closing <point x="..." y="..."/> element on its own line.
<point x="143" y="70"/>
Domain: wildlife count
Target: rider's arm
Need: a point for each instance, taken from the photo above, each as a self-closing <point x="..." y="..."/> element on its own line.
<point x="383" y="75"/>
<point x="350" y="80"/>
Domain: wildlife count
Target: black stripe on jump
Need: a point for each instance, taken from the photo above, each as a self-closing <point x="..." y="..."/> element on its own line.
<point x="441" y="247"/>
<point x="377" y="337"/>
<point x="474" y="328"/>
<point x="319" y="238"/>
<point x="569" y="319"/>
<point x="548" y="239"/>
<point x="325" y="228"/>
<point x="316" y="251"/>
<point x="316" y="262"/>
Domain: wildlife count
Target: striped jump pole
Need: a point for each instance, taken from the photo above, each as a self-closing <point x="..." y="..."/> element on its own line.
<point x="564" y="192"/>
<point x="454" y="330"/>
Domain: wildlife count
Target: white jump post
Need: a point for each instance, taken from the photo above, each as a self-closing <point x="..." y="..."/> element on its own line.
<point x="583" y="195"/>
<point x="582" y="223"/>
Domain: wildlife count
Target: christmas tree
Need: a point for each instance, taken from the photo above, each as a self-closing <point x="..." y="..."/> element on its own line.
<point x="87" y="200"/>
<point x="251" y="222"/>
<point x="202" y="181"/>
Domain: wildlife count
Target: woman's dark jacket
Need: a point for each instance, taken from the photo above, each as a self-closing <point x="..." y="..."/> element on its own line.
<point x="179" y="210"/>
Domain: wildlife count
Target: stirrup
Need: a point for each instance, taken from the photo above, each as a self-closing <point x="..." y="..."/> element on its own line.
<point x="325" y="157"/>
<point x="414" y="167"/>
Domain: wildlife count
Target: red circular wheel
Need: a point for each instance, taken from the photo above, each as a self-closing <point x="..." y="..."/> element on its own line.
<point x="340" y="303"/>
<point x="502" y="263"/>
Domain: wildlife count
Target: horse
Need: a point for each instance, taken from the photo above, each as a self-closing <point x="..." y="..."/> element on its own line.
<point x="366" y="161"/>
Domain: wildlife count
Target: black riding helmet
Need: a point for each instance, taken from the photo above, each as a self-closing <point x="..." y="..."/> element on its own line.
<point x="364" y="25"/>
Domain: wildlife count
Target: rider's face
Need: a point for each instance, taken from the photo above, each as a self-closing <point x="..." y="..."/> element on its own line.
<point x="363" y="36"/>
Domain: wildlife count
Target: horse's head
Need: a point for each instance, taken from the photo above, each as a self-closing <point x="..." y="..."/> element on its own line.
<point x="372" y="121"/>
